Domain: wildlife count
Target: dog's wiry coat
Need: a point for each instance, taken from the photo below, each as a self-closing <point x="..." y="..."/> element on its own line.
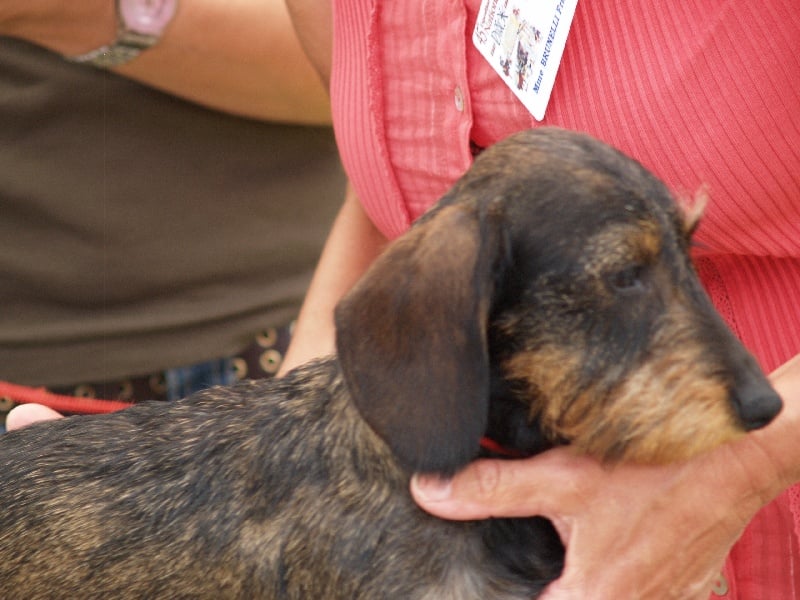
<point x="302" y="511"/>
<point x="547" y="299"/>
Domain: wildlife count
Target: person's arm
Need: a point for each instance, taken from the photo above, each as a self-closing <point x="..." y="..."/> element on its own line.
<point x="313" y="23"/>
<point x="644" y="532"/>
<point x="240" y="56"/>
<point x="352" y="245"/>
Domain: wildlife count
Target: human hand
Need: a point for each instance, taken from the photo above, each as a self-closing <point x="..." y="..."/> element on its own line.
<point x="634" y="531"/>
<point x="630" y="532"/>
<point x="25" y="414"/>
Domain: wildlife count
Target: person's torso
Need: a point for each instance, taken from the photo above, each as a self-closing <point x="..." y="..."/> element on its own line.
<point x="138" y="231"/>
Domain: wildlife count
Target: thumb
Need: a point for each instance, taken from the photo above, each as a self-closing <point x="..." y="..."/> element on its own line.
<point x="26" y="414"/>
<point x="497" y="488"/>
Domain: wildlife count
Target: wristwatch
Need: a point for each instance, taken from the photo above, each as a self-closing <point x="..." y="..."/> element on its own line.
<point x="140" y="24"/>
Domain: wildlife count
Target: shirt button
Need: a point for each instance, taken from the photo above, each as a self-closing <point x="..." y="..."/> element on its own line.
<point x="459" y="99"/>
<point x="720" y="587"/>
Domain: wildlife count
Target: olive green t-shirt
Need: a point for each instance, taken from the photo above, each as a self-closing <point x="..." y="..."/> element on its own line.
<point x="140" y="232"/>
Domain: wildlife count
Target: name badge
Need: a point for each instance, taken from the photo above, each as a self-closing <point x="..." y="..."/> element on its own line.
<point x="523" y="41"/>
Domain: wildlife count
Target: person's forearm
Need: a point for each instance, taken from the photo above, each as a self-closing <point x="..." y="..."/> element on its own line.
<point x="352" y="245"/>
<point x="313" y="23"/>
<point x="240" y="56"/>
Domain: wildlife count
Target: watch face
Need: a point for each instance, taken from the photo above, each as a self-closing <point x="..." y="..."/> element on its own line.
<point x="147" y="16"/>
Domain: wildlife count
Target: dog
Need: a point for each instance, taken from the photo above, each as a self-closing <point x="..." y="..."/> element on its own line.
<point x="547" y="299"/>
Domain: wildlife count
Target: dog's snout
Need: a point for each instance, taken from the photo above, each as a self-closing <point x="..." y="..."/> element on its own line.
<point x="756" y="405"/>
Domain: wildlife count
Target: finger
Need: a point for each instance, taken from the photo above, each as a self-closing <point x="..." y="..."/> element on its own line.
<point x="507" y="488"/>
<point x="25" y="414"/>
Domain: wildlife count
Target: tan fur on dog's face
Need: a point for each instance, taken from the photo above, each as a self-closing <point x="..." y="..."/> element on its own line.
<point x="616" y="347"/>
<point x="669" y="407"/>
<point x="655" y="393"/>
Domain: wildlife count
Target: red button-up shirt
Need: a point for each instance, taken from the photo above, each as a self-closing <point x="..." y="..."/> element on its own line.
<point x="702" y="92"/>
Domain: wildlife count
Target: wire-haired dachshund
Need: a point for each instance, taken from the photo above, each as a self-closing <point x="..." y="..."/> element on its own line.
<point x="547" y="299"/>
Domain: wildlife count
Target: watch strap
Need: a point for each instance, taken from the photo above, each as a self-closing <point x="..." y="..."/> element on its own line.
<point x="130" y="42"/>
<point x="128" y="45"/>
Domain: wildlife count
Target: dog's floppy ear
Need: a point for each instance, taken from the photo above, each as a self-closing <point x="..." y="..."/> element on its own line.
<point x="411" y="338"/>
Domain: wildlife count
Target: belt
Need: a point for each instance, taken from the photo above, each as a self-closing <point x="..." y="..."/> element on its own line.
<point x="259" y="360"/>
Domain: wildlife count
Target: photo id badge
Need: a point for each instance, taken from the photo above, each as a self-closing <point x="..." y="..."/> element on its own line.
<point x="523" y="40"/>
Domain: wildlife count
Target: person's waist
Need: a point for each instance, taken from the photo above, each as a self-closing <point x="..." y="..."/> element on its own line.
<point x="259" y="359"/>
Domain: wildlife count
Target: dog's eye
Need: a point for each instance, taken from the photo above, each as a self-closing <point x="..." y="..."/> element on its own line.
<point x="628" y="279"/>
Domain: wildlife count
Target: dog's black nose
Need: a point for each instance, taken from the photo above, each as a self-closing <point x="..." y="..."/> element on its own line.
<point x="756" y="405"/>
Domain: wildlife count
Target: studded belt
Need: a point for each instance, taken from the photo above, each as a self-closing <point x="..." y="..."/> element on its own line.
<point x="259" y="360"/>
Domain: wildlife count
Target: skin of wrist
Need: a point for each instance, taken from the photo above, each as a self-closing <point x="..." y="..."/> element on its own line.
<point x="780" y="438"/>
<point x="750" y="476"/>
<point x="767" y="460"/>
<point x="69" y="28"/>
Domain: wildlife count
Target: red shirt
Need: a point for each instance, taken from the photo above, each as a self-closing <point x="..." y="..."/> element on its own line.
<point x="702" y="92"/>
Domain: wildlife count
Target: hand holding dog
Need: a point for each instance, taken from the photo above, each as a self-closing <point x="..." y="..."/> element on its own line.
<point x="634" y="531"/>
<point x="612" y="548"/>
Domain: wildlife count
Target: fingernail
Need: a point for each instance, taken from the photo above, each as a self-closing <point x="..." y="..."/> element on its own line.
<point x="432" y="488"/>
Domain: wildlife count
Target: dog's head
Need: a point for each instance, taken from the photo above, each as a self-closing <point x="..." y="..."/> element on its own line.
<point x="552" y="281"/>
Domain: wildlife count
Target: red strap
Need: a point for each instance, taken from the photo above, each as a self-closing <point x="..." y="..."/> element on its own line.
<point x="64" y="404"/>
<point x="493" y="446"/>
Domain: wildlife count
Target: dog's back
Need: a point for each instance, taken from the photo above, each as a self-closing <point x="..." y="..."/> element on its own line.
<point x="264" y="490"/>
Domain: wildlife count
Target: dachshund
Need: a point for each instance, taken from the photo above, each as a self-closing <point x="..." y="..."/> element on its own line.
<point x="547" y="299"/>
